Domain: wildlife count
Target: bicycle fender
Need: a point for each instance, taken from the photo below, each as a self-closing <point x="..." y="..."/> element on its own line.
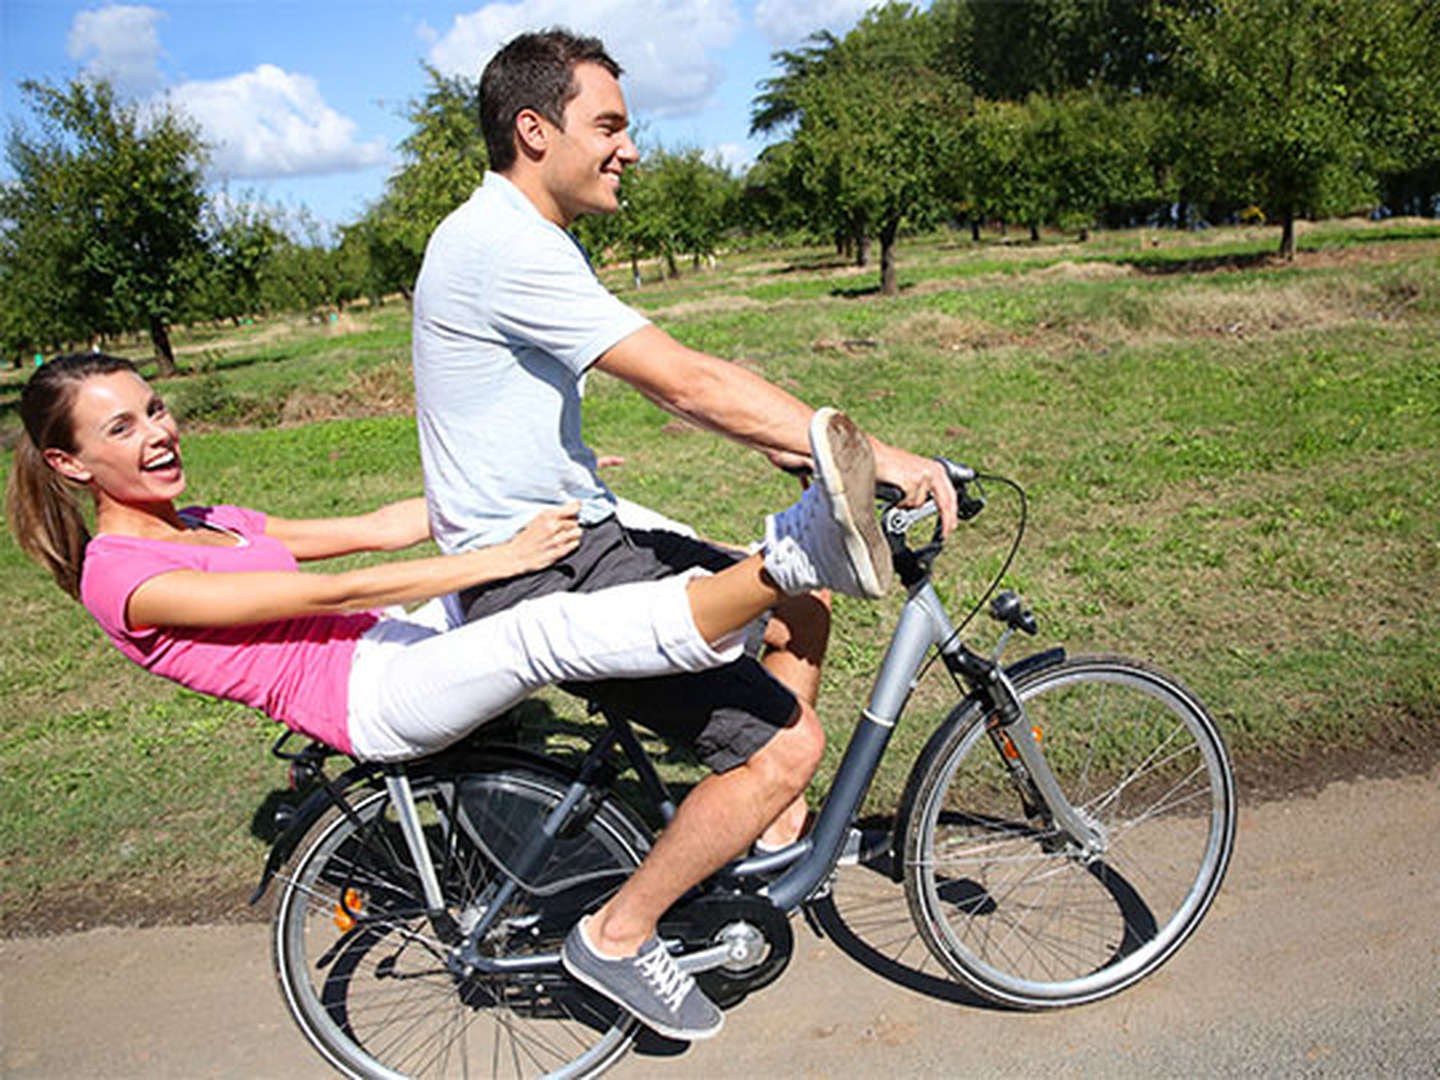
<point x="1026" y="665"/>
<point x="455" y="761"/>
<point x="305" y="815"/>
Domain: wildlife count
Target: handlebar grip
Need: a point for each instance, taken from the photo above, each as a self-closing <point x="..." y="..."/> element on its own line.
<point x="889" y="494"/>
<point x="960" y="475"/>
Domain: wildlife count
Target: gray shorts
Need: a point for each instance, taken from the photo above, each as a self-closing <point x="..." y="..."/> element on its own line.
<point x="726" y="714"/>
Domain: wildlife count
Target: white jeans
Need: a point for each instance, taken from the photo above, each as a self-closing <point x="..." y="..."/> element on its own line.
<point x="415" y="690"/>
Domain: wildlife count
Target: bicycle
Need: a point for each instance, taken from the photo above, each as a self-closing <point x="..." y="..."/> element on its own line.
<point x="1061" y="834"/>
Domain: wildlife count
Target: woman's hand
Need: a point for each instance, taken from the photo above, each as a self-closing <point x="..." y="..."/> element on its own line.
<point x="550" y="536"/>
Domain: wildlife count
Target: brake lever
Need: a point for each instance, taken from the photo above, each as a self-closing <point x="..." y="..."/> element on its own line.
<point x="900" y="520"/>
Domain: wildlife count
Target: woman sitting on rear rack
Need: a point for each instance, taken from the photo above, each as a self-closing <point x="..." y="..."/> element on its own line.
<point x="213" y="597"/>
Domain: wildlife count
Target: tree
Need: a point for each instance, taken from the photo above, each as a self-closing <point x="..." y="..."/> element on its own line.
<point x="876" y="137"/>
<point x="777" y="106"/>
<point x="103" y="219"/>
<point x="1006" y="176"/>
<point x="1009" y="51"/>
<point x="305" y="271"/>
<point x="1088" y="150"/>
<point x="672" y="203"/>
<point x="444" y="163"/>
<point x="1299" y="104"/>
<point x="240" y="238"/>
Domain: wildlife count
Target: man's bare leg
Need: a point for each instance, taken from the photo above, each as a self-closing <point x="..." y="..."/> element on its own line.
<point x="720" y="817"/>
<point x="795" y="641"/>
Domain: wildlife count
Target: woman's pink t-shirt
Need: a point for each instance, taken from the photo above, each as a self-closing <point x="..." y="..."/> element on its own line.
<point x="295" y="670"/>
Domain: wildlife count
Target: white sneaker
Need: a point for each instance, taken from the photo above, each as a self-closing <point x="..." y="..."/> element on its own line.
<point x="830" y="538"/>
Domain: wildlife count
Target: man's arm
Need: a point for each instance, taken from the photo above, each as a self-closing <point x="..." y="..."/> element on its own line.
<point x="733" y="401"/>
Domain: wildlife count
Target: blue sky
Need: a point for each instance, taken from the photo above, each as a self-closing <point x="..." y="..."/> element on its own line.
<point x="301" y="99"/>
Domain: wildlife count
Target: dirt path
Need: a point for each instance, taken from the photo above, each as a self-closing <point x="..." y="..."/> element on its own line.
<point x="1321" y="958"/>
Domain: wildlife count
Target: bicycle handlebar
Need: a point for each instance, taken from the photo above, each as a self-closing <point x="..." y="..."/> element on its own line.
<point x="969" y="503"/>
<point x="912" y="564"/>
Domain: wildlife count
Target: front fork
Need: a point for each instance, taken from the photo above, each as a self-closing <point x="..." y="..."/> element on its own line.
<point x="1018" y="744"/>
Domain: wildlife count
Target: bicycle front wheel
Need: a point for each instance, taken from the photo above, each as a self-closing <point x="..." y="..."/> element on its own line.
<point x="363" y="967"/>
<point x="1001" y="897"/>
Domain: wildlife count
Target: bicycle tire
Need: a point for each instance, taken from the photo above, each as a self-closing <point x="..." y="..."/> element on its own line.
<point x="996" y="893"/>
<point x="362" y="968"/>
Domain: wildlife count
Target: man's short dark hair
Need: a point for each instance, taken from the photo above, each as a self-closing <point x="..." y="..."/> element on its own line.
<point x="533" y="71"/>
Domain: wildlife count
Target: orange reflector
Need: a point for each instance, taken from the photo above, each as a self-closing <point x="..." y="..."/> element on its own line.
<point x="344" y="919"/>
<point x="1008" y="747"/>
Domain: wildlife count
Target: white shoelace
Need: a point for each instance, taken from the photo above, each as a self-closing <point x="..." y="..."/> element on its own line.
<point x="664" y="974"/>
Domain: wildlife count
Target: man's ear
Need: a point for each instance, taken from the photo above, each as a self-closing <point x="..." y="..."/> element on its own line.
<point x="532" y="133"/>
<point x="67" y="465"/>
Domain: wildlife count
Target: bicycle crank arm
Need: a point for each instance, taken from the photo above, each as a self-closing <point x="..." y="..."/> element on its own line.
<point x="715" y="956"/>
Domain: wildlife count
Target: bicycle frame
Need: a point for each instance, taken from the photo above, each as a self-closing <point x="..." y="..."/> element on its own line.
<point x="462" y="873"/>
<point x="923" y="624"/>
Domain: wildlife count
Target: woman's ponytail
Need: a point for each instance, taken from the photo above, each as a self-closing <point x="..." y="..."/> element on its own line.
<point x="45" y="516"/>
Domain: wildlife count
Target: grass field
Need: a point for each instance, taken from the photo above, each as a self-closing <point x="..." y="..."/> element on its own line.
<point x="1233" y="467"/>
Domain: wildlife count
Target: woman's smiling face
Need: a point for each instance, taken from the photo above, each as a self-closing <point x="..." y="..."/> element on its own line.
<point x="127" y="445"/>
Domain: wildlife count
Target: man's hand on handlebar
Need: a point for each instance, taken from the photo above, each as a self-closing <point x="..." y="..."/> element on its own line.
<point x="920" y="478"/>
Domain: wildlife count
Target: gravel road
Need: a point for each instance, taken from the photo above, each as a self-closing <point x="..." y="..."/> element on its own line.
<point x="1320" y="958"/>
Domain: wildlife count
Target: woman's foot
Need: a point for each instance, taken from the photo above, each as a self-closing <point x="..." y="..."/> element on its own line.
<point x="830" y="538"/>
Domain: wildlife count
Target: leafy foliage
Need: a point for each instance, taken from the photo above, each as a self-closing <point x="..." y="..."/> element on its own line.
<point x="102" y="226"/>
<point x="673" y="203"/>
<point x="1300" y="105"/>
<point x="241" y="236"/>
<point x="876" y="130"/>
<point x="444" y="163"/>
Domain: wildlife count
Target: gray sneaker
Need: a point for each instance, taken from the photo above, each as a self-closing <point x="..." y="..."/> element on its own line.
<point x="649" y="984"/>
<point x="830" y="538"/>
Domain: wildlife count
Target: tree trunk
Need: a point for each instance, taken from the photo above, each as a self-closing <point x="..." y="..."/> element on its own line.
<point x="1034" y="233"/>
<point x="164" y="352"/>
<point x="862" y="248"/>
<point x="635" y="270"/>
<point x="975" y="229"/>
<point x="888" y="232"/>
<point x="670" y="263"/>
<point x="1287" y="235"/>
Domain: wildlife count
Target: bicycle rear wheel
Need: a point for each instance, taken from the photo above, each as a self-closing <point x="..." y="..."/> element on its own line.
<point x="1000" y="896"/>
<point x="363" y="968"/>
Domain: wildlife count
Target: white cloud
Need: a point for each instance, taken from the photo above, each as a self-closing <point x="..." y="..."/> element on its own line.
<point x="270" y="123"/>
<point x="121" y="44"/>
<point x="787" y="23"/>
<point x="737" y="157"/>
<point x="663" y="46"/>
<point x="263" y="123"/>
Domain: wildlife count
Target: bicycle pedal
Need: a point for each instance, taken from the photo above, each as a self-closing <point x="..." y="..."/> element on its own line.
<point x="863" y="845"/>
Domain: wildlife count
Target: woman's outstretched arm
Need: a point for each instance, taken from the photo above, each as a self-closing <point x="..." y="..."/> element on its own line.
<point x="390" y="528"/>
<point x="197" y="598"/>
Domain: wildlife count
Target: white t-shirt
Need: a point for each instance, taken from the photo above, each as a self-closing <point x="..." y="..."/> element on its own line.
<point x="508" y="315"/>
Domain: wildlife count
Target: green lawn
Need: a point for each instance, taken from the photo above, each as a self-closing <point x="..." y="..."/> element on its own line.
<point x="1232" y="464"/>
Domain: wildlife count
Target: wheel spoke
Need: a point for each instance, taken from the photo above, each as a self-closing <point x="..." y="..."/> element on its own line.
<point x="1016" y="909"/>
<point x="369" y="980"/>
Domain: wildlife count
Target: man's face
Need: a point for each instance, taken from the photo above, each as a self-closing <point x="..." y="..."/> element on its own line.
<point x="585" y="160"/>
